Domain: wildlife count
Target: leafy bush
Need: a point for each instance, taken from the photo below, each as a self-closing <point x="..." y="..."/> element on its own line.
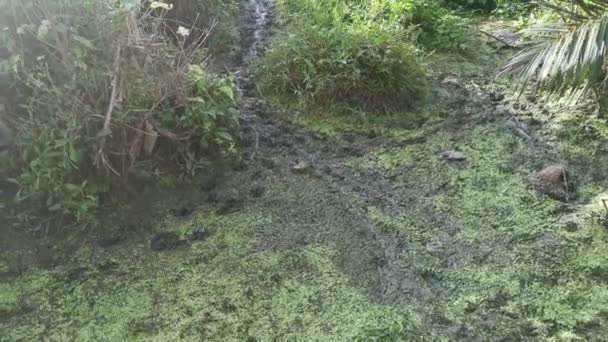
<point x="101" y="100"/>
<point x="370" y="70"/>
<point x="218" y="16"/>
<point x="484" y="5"/>
<point x="439" y="29"/>
<point x="361" y="54"/>
<point x="211" y="116"/>
<point x="516" y="9"/>
<point x="345" y="53"/>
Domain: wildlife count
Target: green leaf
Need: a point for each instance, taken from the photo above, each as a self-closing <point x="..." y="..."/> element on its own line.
<point x="228" y="91"/>
<point x="223" y="135"/>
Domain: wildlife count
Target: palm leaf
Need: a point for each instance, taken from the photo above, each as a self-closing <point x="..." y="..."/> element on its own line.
<point x="561" y="56"/>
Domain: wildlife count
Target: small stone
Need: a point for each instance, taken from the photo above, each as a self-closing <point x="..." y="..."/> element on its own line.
<point x="303" y="168"/>
<point x="164" y="241"/>
<point x="454" y="156"/>
<point x="451" y="81"/>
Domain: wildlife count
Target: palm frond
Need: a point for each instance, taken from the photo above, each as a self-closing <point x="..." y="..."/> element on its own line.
<point x="561" y="56"/>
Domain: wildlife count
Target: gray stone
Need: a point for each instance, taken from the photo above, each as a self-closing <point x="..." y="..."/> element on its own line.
<point x="456" y="156"/>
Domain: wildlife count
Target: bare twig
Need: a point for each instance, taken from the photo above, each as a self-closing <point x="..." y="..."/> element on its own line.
<point x="498" y="39"/>
<point x="100" y="159"/>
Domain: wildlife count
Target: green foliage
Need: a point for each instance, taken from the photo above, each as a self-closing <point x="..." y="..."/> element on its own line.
<point x="357" y="54"/>
<point x="567" y="55"/>
<point x="328" y="66"/>
<point x="480" y="244"/>
<point x="103" y="104"/>
<point x="49" y="157"/>
<point x="516" y="9"/>
<point x="223" y="289"/>
<point x="218" y="16"/>
<point x="439" y="29"/>
<point x="211" y="116"/>
<point x="483" y="5"/>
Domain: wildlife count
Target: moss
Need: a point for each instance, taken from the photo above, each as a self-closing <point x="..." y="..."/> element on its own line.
<point x="8" y="297"/>
<point x="224" y="288"/>
<point x="503" y="262"/>
<point x="337" y="122"/>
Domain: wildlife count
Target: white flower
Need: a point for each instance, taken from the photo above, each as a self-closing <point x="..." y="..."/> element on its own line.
<point x="182" y="31"/>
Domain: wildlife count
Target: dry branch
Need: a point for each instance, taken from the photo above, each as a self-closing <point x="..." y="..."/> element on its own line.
<point x="100" y="158"/>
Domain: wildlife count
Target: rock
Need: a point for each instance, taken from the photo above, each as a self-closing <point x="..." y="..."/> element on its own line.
<point x="554" y="181"/>
<point x="454" y="156"/>
<point x="303" y="168"/>
<point x="505" y="37"/>
<point x="452" y="82"/>
<point x="164" y="241"/>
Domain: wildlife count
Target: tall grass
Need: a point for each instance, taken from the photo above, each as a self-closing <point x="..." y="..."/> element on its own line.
<point x="364" y="55"/>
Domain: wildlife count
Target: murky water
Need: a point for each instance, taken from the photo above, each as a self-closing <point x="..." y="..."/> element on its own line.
<point x="255" y="23"/>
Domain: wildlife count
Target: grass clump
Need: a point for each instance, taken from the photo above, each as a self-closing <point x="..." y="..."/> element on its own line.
<point x="359" y="55"/>
<point x="327" y="57"/>
<point x="372" y="71"/>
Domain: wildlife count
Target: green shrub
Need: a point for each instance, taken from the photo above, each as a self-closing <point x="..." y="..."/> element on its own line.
<point x="211" y="116"/>
<point x="345" y="53"/>
<point x="328" y="66"/>
<point x="438" y="28"/>
<point x="104" y="104"/>
<point x="49" y="156"/>
<point x="218" y="16"/>
<point x="483" y="5"/>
